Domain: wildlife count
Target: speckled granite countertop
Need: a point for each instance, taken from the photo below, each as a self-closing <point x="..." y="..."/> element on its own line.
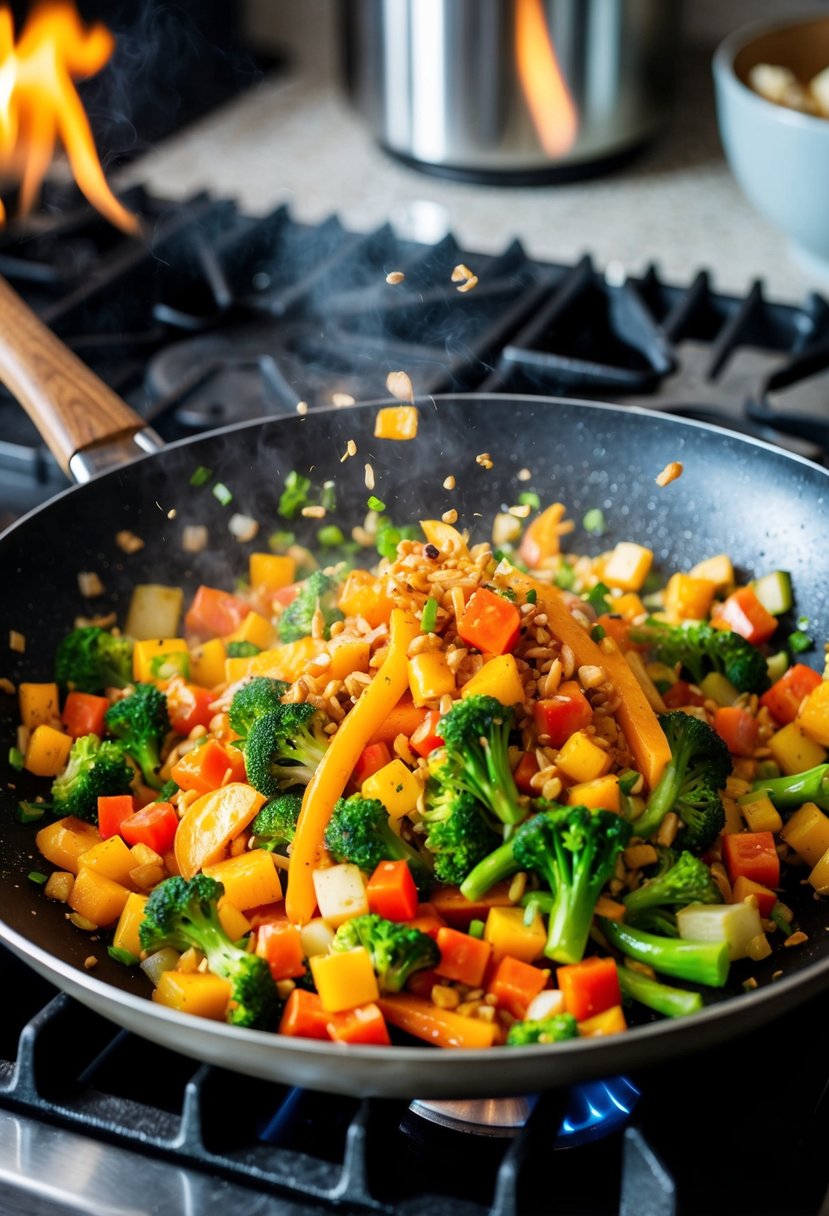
<point x="293" y="139"/>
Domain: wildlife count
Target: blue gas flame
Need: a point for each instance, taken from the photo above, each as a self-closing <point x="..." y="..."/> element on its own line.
<point x="596" y="1109"/>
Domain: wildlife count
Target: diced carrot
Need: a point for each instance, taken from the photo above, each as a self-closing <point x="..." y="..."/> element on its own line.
<point x="154" y="825"/>
<point x="422" y="982"/>
<point x="304" y="1017"/>
<point x="403" y="719"/>
<point x="208" y="767"/>
<point x="392" y="892"/>
<point x="589" y="987"/>
<point x="525" y="771"/>
<point x="439" y="1027"/>
<point x="188" y="705"/>
<point x="214" y="613"/>
<point x="83" y="714"/>
<point x="753" y="855"/>
<point x="737" y="728"/>
<point x="280" y="944"/>
<point x="372" y="758"/>
<point x="113" y="809"/>
<point x="491" y="623"/>
<point x="616" y="627"/>
<point x="744" y="613"/>
<point x="561" y="716"/>
<point x="458" y="911"/>
<point x="515" y="983"/>
<point x="785" y="696"/>
<point x="425" y="738"/>
<point x="363" y="1024"/>
<point x="462" y="958"/>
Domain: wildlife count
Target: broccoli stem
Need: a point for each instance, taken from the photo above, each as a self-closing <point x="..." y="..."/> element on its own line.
<point x="662" y="800"/>
<point x="672" y="1002"/>
<point x="788" y="793"/>
<point x="499" y="864"/>
<point x="700" y="962"/>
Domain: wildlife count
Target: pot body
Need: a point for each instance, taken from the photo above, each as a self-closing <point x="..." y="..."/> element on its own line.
<point x="500" y="89"/>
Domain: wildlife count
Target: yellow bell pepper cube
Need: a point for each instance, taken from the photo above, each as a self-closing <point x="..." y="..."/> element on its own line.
<point x="395" y="786"/>
<point x="581" y="759"/>
<point x="112" y="858"/>
<point x="340" y="892"/>
<point x="249" y="880"/>
<point x="126" y="931"/>
<point x="254" y="628"/>
<point x="65" y="840"/>
<point x="344" y="980"/>
<point x="718" y="569"/>
<point x="688" y="598"/>
<point x="628" y="606"/>
<point x="97" y="898"/>
<point x="47" y="751"/>
<point x="148" y="659"/>
<point x="39" y="705"/>
<point x="364" y="595"/>
<point x="819" y="876"/>
<point x="348" y="657"/>
<point x="507" y="933"/>
<point x="601" y="792"/>
<point x="207" y="663"/>
<point x="611" y="1021"/>
<point x="794" y="750"/>
<point x="396" y="422"/>
<point x="497" y="678"/>
<point x="807" y="832"/>
<point x="627" y="566"/>
<point x="430" y="677"/>
<point x="760" y="813"/>
<point x="271" y="571"/>
<point x="194" y="992"/>
<point x="235" y="924"/>
<point x="813" y="717"/>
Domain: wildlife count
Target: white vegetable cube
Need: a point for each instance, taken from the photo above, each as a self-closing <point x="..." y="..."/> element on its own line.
<point x="736" y="924"/>
<point x="341" y="893"/>
<point x="546" y="1004"/>
<point x="316" y="937"/>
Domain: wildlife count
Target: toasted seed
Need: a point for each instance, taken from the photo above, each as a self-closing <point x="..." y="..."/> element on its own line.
<point x="302" y="407"/>
<point x="338" y="399"/>
<point x="400" y="386"/>
<point x="670" y="473"/>
<point x="395" y="276"/>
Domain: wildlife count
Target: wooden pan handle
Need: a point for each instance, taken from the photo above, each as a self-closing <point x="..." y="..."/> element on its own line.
<point x="72" y="409"/>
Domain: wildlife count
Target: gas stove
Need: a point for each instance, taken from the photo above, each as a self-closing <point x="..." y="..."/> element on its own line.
<point x="218" y="316"/>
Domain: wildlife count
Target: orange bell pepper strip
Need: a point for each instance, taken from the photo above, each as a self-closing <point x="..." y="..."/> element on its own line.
<point x="644" y="735"/>
<point x="440" y="1027"/>
<point x="337" y="765"/>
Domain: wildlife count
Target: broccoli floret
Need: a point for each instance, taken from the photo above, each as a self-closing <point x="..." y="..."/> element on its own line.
<point x="699" y="962"/>
<point x="574" y="850"/>
<point x="319" y="590"/>
<point x="284" y="747"/>
<point x="700" y="649"/>
<point x="141" y="721"/>
<point x="459" y="836"/>
<point x="397" y="950"/>
<point x="690" y="784"/>
<point x="496" y="866"/>
<point x="93" y="770"/>
<point x="682" y="880"/>
<point x="255" y="698"/>
<point x="788" y="793"/>
<point x="475" y="733"/>
<point x="672" y="1002"/>
<point x="359" y="832"/>
<point x="182" y="913"/>
<point x="275" y="824"/>
<point x="92" y="660"/>
<point x="555" y="1029"/>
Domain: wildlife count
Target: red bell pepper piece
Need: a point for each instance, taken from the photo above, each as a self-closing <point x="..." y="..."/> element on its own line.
<point x="490" y="623"/>
<point x="560" y="716"/>
<point x="83" y="714"/>
<point x="425" y="738"/>
<point x="391" y="891"/>
<point x="785" y="696"/>
<point x="751" y="855"/>
<point x="744" y="613"/>
<point x="188" y="705"/>
<point x="515" y="983"/>
<point x="214" y="613"/>
<point x="589" y="987"/>
<point x="280" y="944"/>
<point x="462" y="958"/>
<point x="682" y="693"/>
<point x="372" y="758"/>
<point x="113" y="809"/>
<point x="154" y="825"/>
<point x="304" y="1017"/>
<point x="362" y="1024"/>
<point x="737" y="728"/>
<point x="525" y="771"/>
<point x="204" y="768"/>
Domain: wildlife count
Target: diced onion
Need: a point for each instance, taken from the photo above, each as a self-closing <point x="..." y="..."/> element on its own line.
<point x="155" y="966"/>
<point x="243" y="527"/>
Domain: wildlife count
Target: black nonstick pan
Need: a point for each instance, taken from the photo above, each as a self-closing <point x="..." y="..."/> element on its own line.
<point x="765" y="508"/>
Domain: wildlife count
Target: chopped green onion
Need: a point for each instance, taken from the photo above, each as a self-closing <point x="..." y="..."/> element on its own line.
<point x="597" y="632"/>
<point x="594" y="521"/>
<point x="429" y="617"/>
<point x="201" y="476"/>
<point x="172" y="663"/>
<point x="330" y="536"/>
<point x="780" y="920"/>
<point x="222" y="493"/>
<point x="242" y="650"/>
<point x="16" y="758"/>
<point x="119" y="955"/>
<point x="532" y="595"/>
<point x="628" y="779"/>
<point x="294" y="496"/>
<point x="565" y="577"/>
<point x="529" y="498"/>
<point x="476" y="928"/>
<point x="30" y="812"/>
<point x="278" y="541"/>
<point x="36" y="876"/>
<point x="506" y="593"/>
<point x="599" y="597"/>
<point x="799" y="641"/>
<point x="375" y="504"/>
<point x="328" y="496"/>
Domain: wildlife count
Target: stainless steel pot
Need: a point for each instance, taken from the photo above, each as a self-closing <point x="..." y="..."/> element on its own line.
<point x="511" y="90"/>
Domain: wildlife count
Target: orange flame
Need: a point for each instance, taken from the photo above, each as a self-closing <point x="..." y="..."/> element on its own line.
<point x="552" y="109"/>
<point x="39" y="104"/>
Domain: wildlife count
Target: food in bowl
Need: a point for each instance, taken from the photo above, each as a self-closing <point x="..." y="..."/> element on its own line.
<point x="483" y="797"/>
<point x="780" y="85"/>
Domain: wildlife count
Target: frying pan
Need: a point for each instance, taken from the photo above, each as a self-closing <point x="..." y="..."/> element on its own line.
<point x="764" y="507"/>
